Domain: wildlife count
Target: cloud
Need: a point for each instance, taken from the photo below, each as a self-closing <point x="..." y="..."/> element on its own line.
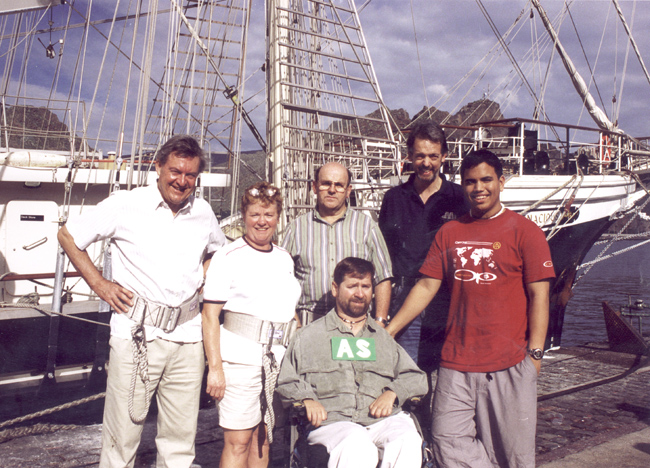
<point x="454" y="36"/>
<point x="418" y="48"/>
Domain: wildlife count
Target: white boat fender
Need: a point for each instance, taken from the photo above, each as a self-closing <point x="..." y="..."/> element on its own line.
<point x="32" y="159"/>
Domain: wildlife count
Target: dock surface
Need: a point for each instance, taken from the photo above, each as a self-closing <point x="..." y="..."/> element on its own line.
<point x="593" y="411"/>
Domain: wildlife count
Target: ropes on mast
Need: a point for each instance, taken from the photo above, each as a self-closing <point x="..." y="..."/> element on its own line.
<point x="596" y="113"/>
<point x="632" y="41"/>
<point x="584" y="54"/>
<point x="417" y="51"/>
<point x="506" y="49"/>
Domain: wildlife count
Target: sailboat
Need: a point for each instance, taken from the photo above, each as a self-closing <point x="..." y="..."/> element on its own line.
<point x="598" y="181"/>
<point x="90" y="89"/>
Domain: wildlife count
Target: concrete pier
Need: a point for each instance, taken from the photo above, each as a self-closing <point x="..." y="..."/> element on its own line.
<point x="593" y="411"/>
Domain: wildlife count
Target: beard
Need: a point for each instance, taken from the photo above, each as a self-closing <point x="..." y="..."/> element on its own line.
<point x="355" y="309"/>
<point x="427" y="178"/>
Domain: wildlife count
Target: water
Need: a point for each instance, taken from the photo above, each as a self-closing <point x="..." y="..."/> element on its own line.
<point x="611" y="280"/>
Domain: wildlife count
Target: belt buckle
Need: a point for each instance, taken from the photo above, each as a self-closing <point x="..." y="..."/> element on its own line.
<point x="138" y="310"/>
<point x="172" y="320"/>
<point x="288" y="334"/>
<point x="275" y="335"/>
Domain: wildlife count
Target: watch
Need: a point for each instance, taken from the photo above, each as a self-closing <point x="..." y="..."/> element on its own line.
<point x="536" y="353"/>
<point x="383" y="320"/>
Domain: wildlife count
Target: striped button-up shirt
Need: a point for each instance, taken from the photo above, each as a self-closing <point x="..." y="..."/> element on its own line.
<point x="317" y="246"/>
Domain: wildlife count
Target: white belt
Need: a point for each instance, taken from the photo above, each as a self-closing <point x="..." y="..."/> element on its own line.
<point x="258" y="330"/>
<point x="162" y="316"/>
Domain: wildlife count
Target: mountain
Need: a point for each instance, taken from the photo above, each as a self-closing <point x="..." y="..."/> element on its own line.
<point x="400" y="119"/>
<point x="483" y="110"/>
<point x="36" y="128"/>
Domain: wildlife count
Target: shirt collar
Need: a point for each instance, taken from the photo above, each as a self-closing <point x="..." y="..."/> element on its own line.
<point x="318" y="217"/>
<point x="332" y="322"/>
<point x="157" y="201"/>
<point x="410" y="183"/>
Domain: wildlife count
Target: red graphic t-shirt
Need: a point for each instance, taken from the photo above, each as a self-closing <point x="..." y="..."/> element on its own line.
<point x="487" y="264"/>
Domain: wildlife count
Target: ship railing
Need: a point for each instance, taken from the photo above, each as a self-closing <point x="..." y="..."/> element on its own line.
<point x="638" y="154"/>
<point x="572" y="148"/>
<point x="636" y="309"/>
<point x="36" y="278"/>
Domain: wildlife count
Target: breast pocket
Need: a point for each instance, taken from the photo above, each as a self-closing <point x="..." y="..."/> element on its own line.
<point x="330" y="378"/>
<point x="373" y="377"/>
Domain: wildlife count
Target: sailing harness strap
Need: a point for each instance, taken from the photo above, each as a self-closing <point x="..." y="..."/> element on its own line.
<point x="161" y="316"/>
<point x="269" y="334"/>
<point x="145" y="312"/>
<point x="261" y="331"/>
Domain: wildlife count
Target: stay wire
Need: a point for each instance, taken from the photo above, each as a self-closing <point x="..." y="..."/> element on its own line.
<point x="584" y="54"/>
<point x="417" y="51"/>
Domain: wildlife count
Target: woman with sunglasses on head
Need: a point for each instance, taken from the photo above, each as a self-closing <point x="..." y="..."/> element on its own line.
<point x="250" y="282"/>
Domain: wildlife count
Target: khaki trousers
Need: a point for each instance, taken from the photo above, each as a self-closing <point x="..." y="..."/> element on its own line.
<point x="176" y="373"/>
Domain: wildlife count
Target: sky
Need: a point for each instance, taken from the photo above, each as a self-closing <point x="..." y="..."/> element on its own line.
<point x="422" y="49"/>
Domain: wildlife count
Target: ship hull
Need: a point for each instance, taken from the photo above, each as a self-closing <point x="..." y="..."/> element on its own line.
<point x="38" y="351"/>
<point x="573" y="219"/>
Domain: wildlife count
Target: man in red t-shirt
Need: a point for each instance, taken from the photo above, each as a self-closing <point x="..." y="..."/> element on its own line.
<point x="497" y="265"/>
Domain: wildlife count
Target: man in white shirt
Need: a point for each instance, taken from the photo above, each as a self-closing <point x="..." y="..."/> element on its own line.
<point x="162" y="239"/>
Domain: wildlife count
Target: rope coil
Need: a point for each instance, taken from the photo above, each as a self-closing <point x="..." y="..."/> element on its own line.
<point x="140" y="369"/>
<point x="271" y="371"/>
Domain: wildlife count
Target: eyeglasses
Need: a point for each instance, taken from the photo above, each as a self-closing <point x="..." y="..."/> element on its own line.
<point x="338" y="186"/>
<point x="269" y="192"/>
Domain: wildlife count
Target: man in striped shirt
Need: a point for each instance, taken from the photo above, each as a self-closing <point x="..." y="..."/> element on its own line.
<point x="321" y="238"/>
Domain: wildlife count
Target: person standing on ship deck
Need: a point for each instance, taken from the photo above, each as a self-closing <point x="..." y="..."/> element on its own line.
<point x="484" y="405"/>
<point x="410" y="217"/>
<point x="252" y="285"/>
<point x="321" y="238"/>
<point x="163" y="239"/>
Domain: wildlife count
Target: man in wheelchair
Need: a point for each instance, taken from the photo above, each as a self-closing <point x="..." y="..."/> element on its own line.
<point x="353" y="379"/>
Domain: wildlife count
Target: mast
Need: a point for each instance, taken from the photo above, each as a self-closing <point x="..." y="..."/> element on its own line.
<point x="324" y="102"/>
<point x="595" y="112"/>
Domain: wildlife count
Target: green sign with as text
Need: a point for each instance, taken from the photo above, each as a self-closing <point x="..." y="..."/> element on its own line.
<point x="353" y="349"/>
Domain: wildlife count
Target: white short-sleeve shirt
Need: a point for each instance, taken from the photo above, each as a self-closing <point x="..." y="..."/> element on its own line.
<point x="252" y="282"/>
<point x="155" y="254"/>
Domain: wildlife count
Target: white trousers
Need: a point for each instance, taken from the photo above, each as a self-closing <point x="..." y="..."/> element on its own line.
<point x="175" y="372"/>
<point x="351" y="445"/>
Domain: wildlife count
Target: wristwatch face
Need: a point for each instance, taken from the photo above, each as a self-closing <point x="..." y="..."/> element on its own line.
<point x="536" y="353"/>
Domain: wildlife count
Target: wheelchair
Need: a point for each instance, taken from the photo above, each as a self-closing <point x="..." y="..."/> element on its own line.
<point x="303" y="455"/>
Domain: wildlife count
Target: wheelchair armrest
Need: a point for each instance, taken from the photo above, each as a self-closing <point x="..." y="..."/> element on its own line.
<point x="299" y="449"/>
<point x="411" y="404"/>
<point x="297" y="409"/>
